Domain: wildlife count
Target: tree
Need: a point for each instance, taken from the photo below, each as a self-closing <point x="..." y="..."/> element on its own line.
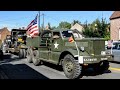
<point x="64" y="25"/>
<point x="49" y="26"/>
<point x="97" y="29"/>
<point x="76" y="21"/>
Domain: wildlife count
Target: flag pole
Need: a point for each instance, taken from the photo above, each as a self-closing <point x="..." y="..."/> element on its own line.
<point x="39" y="21"/>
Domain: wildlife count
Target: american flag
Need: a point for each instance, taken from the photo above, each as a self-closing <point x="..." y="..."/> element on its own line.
<point x="32" y="28"/>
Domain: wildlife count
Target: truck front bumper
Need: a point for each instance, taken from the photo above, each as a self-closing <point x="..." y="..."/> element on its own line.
<point x="94" y="59"/>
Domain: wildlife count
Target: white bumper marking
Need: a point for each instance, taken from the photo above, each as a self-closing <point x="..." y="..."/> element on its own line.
<point x="80" y="59"/>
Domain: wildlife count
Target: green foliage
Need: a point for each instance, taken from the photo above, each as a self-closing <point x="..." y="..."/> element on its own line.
<point x="64" y="25"/>
<point x="76" y="21"/>
<point x="97" y="29"/>
<point x="49" y="26"/>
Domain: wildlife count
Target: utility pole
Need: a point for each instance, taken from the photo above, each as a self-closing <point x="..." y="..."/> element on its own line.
<point x="43" y="21"/>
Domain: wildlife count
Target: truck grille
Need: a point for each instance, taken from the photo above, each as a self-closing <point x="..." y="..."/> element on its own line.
<point x="98" y="46"/>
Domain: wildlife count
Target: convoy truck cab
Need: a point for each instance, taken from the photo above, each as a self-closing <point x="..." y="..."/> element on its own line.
<point x="66" y="48"/>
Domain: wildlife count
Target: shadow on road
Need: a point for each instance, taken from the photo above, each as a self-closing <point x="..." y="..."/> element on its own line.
<point x="8" y="58"/>
<point x="20" y="71"/>
<point x="115" y="62"/>
<point x="53" y="66"/>
<point x="91" y="72"/>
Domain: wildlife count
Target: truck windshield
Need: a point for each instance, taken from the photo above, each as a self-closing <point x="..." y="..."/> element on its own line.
<point x="67" y="34"/>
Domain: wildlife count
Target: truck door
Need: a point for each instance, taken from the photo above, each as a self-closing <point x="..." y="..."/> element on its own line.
<point x="55" y="48"/>
<point x="44" y="45"/>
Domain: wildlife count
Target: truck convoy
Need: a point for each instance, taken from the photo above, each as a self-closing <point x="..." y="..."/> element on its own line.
<point x="16" y="42"/>
<point x="66" y="48"/>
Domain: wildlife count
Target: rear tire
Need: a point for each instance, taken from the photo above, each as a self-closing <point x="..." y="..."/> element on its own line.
<point x="35" y="58"/>
<point x="24" y="55"/>
<point x="21" y="53"/>
<point x="29" y="55"/>
<point x="71" y="67"/>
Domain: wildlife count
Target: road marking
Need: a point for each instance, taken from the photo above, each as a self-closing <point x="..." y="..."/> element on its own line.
<point x="116" y="69"/>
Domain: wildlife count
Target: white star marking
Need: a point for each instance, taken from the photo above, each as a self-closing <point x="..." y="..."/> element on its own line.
<point x="56" y="45"/>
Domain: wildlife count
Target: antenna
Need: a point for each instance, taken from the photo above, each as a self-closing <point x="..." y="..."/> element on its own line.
<point x="43" y="21"/>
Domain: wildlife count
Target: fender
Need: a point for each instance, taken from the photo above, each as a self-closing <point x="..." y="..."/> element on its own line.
<point x="71" y="51"/>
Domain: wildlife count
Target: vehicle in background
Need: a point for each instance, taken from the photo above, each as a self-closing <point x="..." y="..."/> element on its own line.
<point x="16" y="42"/>
<point x="115" y="50"/>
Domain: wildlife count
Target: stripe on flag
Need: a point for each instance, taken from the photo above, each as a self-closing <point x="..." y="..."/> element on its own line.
<point x="32" y="28"/>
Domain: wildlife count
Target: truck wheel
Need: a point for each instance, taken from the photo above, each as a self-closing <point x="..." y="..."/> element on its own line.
<point x="101" y="67"/>
<point x="104" y="66"/>
<point x="71" y="67"/>
<point x="24" y="53"/>
<point x="35" y="57"/>
<point x="29" y="55"/>
<point x="21" y="53"/>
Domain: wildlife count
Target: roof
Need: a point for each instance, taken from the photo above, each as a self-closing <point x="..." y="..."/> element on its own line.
<point x="1" y="30"/>
<point x="78" y="27"/>
<point x="116" y="14"/>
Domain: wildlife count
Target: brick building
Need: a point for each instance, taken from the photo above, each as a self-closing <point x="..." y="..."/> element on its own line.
<point x="3" y="33"/>
<point x="115" y="26"/>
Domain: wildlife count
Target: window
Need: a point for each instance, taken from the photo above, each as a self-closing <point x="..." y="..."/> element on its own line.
<point x="56" y="35"/>
<point x="46" y="35"/>
<point x="67" y="34"/>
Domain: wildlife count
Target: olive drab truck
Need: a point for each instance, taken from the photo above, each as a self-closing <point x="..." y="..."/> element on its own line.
<point x="66" y="48"/>
<point x="16" y="42"/>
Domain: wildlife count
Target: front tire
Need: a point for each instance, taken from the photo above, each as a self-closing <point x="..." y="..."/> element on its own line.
<point x="24" y="55"/>
<point x="29" y="55"/>
<point x="35" y="57"/>
<point x="71" y="67"/>
<point x="21" y="53"/>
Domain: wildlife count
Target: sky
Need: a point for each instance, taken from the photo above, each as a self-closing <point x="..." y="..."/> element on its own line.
<point x="18" y="19"/>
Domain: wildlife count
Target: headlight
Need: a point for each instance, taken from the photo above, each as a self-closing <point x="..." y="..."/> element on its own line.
<point x="82" y="49"/>
<point x="103" y="53"/>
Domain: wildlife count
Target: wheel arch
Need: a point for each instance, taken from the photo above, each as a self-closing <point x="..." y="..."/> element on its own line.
<point x="63" y="54"/>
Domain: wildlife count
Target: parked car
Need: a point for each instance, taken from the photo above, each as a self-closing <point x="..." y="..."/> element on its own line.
<point x="115" y="50"/>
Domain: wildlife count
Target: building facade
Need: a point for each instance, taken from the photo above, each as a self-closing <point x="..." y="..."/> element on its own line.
<point x="115" y="26"/>
<point x="78" y="27"/>
<point x="3" y="33"/>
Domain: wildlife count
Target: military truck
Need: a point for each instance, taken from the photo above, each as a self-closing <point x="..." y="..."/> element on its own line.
<point x="66" y="48"/>
<point x="16" y="42"/>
